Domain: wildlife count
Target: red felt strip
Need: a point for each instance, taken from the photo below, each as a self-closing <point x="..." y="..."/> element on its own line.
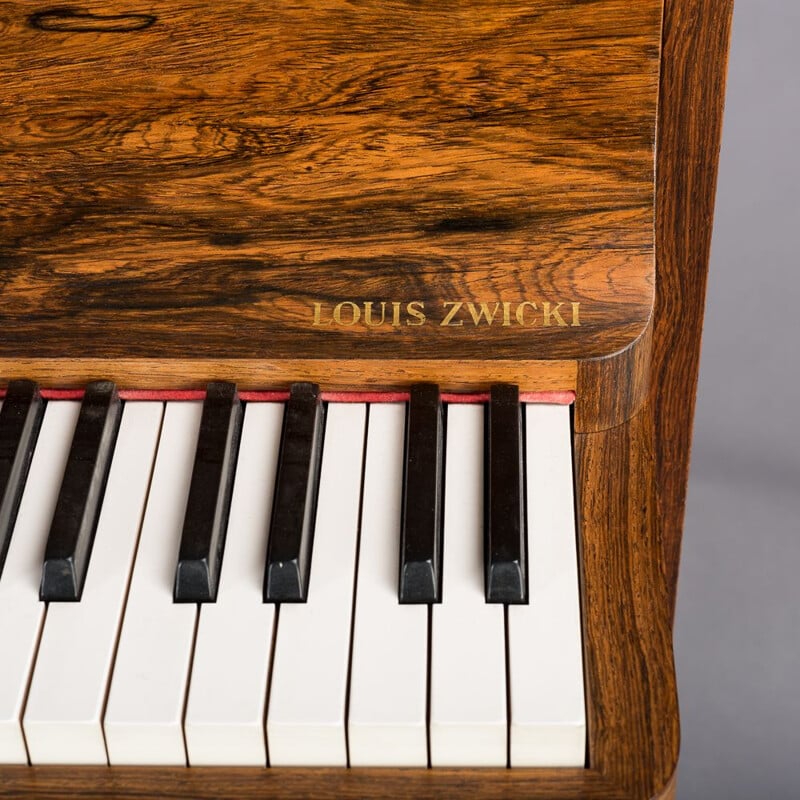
<point x="551" y="398"/>
<point x="62" y="394"/>
<point x="277" y="396"/>
<point x="465" y="398"/>
<point x="264" y="396"/>
<point x="365" y="397"/>
<point x="156" y="394"/>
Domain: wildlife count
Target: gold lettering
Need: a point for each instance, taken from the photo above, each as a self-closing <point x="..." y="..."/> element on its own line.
<point x="447" y="322"/>
<point x="482" y="312"/>
<point x="415" y="312"/>
<point x="520" y="314"/>
<point x="318" y="316"/>
<point x="554" y="313"/>
<point x="368" y="315"/>
<point x="365" y="313"/>
<point x="337" y="313"/>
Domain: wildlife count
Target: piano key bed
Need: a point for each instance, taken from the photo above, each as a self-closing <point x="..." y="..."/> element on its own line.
<point x="277" y="579"/>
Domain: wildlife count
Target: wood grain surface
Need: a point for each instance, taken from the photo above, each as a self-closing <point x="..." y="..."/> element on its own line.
<point x="186" y="180"/>
<point x="696" y="39"/>
<point x="333" y="374"/>
<point x="611" y="390"/>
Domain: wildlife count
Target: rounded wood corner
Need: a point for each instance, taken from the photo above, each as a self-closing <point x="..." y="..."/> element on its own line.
<point x="668" y="791"/>
<point x="610" y="390"/>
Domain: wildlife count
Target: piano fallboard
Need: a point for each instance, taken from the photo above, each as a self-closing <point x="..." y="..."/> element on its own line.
<point x="383" y="192"/>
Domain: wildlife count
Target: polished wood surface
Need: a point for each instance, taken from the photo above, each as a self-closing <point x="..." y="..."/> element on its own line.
<point x="611" y="390"/>
<point x="696" y="37"/>
<point x="335" y="374"/>
<point x="188" y="180"/>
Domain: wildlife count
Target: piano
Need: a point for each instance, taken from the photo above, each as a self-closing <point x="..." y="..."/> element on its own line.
<point x="348" y="356"/>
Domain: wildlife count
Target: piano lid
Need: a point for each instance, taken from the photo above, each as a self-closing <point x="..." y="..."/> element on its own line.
<point x="348" y="180"/>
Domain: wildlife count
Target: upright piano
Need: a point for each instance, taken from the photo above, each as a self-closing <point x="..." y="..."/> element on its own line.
<point x="348" y="353"/>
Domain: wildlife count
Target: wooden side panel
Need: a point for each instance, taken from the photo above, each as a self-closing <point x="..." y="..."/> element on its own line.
<point x="696" y="37"/>
<point x="632" y="699"/>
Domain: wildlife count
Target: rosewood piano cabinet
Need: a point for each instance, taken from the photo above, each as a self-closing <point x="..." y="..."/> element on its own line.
<point x="367" y="195"/>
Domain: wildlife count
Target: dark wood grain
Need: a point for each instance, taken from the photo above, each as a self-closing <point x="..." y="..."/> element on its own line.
<point x="696" y="37"/>
<point x="50" y="783"/>
<point x="611" y="390"/>
<point x="187" y="180"/>
<point x="633" y="712"/>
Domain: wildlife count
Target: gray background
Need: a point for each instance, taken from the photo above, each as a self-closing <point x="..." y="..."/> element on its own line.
<point x="737" y="636"/>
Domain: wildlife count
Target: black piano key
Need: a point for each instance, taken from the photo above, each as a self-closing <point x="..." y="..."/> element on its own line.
<point x="294" y="505"/>
<point x="69" y="543"/>
<point x="208" y="505"/>
<point x="421" y="531"/>
<point x="505" y="556"/>
<point x="20" y="420"/>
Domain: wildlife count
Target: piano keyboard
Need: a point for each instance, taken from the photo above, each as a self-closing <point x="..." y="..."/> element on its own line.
<point x="301" y="583"/>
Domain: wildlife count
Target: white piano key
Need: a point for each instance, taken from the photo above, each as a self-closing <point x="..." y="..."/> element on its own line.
<point x="548" y="720"/>
<point x="62" y="719"/>
<point x="387" y="723"/>
<point x="21" y="611"/>
<point x="468" y="725"/>
<point x="308" y="689"/>
<point x="224" y="722"/>
<point x="143" y="719"/>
